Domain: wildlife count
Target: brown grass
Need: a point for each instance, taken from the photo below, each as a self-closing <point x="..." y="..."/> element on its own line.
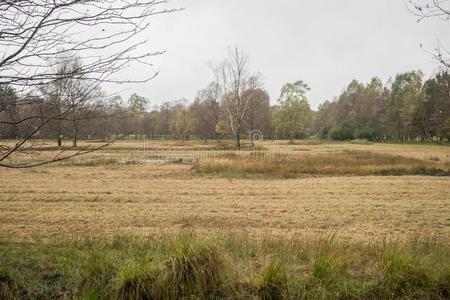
<point x="345" y="163"/>
<point x="133" y="200"/>
<point x="103" y="194"/>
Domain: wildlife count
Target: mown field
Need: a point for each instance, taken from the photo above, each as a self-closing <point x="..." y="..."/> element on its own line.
<point x="174" y="219"/>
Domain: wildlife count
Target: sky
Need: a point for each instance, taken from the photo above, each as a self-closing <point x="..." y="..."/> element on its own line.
<point x="326" y="44"/>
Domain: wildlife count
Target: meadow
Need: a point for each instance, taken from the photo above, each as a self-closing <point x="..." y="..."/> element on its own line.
<point x="184" y="219"/>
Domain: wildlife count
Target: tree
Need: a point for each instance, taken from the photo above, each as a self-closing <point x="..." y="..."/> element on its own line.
<point x="205" y="112"/>
<point x="406" y="96"/>
<point x="234" y="80"/>
<point x="292" y="114"/>
<point x="137" y="105"/>
<point x="181" y="123"/>
<point x="34" y="32"/>
<point x="73" y="98"/>
<point x="434" y="9"/>
<point x="435" y="112"/>
<point x="259" y="116"/>
<point x="324" y="119"/>
<point x="9" y="110"/>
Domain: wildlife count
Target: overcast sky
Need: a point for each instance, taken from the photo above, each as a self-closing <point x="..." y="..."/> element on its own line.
<point x="324" y="43"/>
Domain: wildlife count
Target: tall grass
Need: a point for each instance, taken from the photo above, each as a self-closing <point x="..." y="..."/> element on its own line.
<point x="223" y="266"/>
<point x="135" y="280"/>
<point x="345" y="163"/>
<point x="9" y="288"/>
<point x="273" y="281"/>
<point x="194" y="269"/>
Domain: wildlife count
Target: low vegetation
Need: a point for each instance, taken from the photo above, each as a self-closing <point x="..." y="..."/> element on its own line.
<point x="107" y="225"/>
<point x="223" y="266"/>
<point x="344" y="163"/>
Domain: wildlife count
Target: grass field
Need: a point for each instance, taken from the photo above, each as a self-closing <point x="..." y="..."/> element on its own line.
<point x="308" y="220"/>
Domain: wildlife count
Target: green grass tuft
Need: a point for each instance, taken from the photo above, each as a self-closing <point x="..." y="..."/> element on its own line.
<point x="9" y="289"/>
<point x="405" y="272"/>
<point x="273" y="283"/>
<point x="194" y="269"/>
<point x="135" y="281"/>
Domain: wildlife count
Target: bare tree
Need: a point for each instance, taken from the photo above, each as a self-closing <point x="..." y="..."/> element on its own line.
<point x="234" y="80"/>
<point x="74" y="95"/>
<point x="106" y="34"/>
<point x="434" y="9"/>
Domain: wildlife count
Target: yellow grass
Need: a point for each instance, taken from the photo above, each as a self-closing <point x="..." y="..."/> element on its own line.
<point x="345" y="163"/>
<point x="72" y="201"/>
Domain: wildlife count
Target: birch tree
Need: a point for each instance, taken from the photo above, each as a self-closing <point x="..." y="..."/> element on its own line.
<point x="234" y="79"/>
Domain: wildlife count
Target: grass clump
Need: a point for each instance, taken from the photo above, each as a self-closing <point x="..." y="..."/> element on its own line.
<point x="135" y="281"/>
<point x="194" y="269"/>
<point x="273" y="282"/>
<point x="327" y="269"/>
<point x="405" y="273"/>
<point x="9" y="289"/>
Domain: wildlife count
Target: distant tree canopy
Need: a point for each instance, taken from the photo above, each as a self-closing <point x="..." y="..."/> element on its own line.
<point x="407" y="109"/>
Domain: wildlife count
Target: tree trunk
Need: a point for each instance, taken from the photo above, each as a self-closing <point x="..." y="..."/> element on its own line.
<point x="238" y="141"/>
<point x="74" y="135"/>
<point x="59" y="133"/>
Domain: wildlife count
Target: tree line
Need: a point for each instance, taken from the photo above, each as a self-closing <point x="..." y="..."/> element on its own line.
<point x="407" y="108"/>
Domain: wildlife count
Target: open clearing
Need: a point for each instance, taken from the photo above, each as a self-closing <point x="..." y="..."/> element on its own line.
<point x="76" y="200"/>
<point x="171" y="220"/>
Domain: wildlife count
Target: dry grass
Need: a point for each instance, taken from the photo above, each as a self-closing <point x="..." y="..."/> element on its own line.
<point x="105" y="226"/>
<point x="144" y="199"/>
<point x="103" y="194"/>
<point x="345" y="163"/>
<point x="406" y="150"/>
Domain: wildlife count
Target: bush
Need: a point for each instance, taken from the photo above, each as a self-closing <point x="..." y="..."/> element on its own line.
<point x="365" y="133"/>
<point x="341" y="133"/>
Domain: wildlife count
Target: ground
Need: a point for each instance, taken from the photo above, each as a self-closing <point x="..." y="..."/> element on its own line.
<point x="79" y="199"/>
<point x="185" y="220"/>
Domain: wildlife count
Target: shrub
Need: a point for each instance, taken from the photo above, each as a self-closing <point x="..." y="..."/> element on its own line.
<point x="341" y="133"/>
<point x="365" y="133"/>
